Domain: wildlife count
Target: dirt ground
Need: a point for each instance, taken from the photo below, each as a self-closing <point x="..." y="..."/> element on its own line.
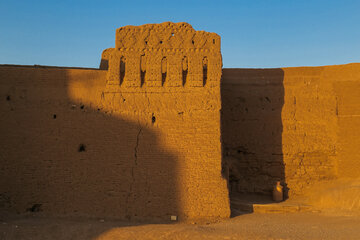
<point x="248" y="226"/>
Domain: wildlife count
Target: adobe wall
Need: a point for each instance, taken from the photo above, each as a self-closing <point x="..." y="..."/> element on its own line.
<point x="143" y="138"/>
<point x="296" y="125"/>
<point x="139" y="141"/>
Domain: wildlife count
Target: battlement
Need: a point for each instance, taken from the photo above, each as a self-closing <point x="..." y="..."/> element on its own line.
<point x="163" y="55"/>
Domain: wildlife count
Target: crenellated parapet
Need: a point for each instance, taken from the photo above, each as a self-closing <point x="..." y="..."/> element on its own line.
<point x="163" y="55"/>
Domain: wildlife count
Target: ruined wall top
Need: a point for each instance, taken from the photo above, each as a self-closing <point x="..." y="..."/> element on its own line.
<point x="165" y="35"/>
<point x="163" y="55"/>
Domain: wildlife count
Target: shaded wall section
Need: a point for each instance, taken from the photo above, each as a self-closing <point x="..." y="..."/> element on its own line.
<point x="252" y="101"/>
<point x="69" y="147"/>
<point x="296" y="125"/>
<point x="67" y="156"/>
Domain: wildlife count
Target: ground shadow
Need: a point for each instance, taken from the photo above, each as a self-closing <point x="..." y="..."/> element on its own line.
<point x="62" y="157"/>
<point x="251" y="130"/>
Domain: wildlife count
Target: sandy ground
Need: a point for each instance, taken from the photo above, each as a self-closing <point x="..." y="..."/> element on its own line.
<point x="247" y="226"/>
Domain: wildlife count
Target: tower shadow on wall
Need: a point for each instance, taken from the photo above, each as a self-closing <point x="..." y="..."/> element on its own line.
<point x="251" y="130"/>
<point x="65" y="157"/>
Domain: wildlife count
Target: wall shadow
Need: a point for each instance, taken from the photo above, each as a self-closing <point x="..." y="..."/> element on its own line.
<point x="251" y="130"/>
<point x="62" y="157"/>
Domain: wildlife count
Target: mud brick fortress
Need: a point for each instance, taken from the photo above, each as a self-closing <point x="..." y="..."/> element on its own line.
<point x="160" y="130"/>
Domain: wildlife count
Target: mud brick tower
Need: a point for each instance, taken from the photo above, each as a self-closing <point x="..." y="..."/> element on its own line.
<point x="167" y="77"/>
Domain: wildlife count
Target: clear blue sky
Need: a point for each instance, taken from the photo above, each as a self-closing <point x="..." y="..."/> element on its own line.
<point x="255" y="33"/>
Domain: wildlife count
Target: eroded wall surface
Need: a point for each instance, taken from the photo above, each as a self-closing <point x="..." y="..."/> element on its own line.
<point x="252" y="101"/>
<point x="139" y="141"/>
<point x="294" y="125"/>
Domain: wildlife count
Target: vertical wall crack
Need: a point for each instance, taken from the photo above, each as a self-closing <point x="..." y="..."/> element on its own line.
<point x="137" y="146"/>
<point x="128" y="211"/>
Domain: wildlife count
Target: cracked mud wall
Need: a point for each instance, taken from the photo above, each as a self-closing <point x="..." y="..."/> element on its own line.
<point x="71" y="148"/>
<point x="66" y="154"/>
<point x="66" y="149"/>
<point x="294" y="125"/>
<point x="139" y="141"/>
<point x="168" y="75"/>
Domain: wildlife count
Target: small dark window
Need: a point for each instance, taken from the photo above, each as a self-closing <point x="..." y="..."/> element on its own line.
<point x="35" y="208"/>
<point x="82" y="148"/>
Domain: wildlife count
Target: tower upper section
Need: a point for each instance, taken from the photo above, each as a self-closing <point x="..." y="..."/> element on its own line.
<point x="164" y="55"/>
